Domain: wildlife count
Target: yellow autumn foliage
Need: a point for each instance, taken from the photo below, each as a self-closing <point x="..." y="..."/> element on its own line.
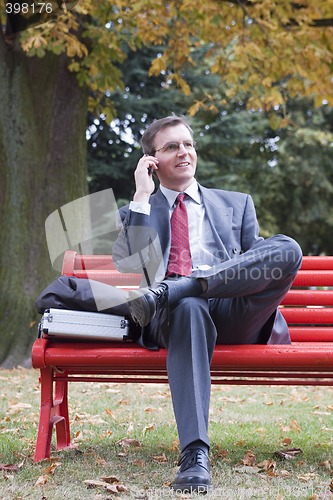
<point x="267" y="49"/>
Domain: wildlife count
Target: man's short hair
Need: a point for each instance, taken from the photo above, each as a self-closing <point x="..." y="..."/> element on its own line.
<point x="148" y="138"/>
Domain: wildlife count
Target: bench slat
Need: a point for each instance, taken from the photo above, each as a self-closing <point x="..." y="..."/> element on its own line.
<point x="314" y="278"/>
<point x="317" y="263"/>
<point x="311" y="333"/>
<point x="309" y="298"/>
<point x="101" y="355"/>
<point x="306" y="315"/>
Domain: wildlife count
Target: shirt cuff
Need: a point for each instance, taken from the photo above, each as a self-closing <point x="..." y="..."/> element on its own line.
<point x="141" y="207"/>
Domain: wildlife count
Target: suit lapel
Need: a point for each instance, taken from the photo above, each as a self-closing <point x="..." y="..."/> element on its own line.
<point x="161" y="221"/>
<point x="220" y="219"/>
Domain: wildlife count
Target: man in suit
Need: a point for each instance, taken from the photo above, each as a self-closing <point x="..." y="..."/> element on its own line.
<point x="217" y="281"/>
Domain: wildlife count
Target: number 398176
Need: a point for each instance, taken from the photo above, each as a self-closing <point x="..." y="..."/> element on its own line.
<point x="29" y="8"/>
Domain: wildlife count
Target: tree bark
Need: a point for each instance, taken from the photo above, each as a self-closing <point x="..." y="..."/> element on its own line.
<point x="42" y="167"/>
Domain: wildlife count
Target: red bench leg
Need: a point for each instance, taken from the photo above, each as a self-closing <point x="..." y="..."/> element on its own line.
<point x="52" y="412"/>
<point x="60" y="413"/>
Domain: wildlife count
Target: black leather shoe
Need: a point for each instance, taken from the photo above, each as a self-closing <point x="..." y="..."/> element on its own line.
<point x="145" y="303"/>
<point x="194" y="472"/>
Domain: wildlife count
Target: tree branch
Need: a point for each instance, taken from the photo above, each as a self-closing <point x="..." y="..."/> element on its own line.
<point x="316" y="23"/>
<point x="323" y="23"/>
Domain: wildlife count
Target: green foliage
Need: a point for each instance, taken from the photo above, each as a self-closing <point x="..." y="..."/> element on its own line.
<point x="287" y="170"/>
<point x="113" y="152"/>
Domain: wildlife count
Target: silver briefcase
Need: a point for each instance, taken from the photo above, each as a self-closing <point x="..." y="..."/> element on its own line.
<point x="77" y="325"/>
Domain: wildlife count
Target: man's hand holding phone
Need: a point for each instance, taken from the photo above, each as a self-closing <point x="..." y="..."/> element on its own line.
<point x="143" y="176"/>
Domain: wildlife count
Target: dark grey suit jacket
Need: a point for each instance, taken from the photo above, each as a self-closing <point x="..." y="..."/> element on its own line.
<point x="145" y="240"/>
<point x="143" y="243"/>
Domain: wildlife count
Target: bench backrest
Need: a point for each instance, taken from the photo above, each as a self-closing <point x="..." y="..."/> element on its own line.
<point x="308" y="306"/>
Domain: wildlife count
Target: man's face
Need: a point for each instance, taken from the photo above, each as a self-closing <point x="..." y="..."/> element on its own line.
<point x="177" y="158"/>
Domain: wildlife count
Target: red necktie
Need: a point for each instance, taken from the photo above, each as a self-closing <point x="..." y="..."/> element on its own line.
<point x="180" y="261"/>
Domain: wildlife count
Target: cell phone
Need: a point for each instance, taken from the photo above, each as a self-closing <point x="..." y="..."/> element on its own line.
<point x="150" y="170"/>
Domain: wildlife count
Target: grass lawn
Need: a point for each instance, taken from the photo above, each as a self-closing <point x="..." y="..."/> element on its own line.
<point x="126" y="446"/>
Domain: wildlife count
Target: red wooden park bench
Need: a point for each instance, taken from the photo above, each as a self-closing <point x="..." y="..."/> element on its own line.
<point x="308" y="309"/>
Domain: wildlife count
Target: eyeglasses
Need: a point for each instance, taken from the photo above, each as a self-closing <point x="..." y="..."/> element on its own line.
<point x="172" y="147"/>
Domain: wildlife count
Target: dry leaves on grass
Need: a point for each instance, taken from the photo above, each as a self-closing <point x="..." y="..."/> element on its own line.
<point x="293" y="426"/>
<point x="160" y="458"/>
<point x="47" y="473"/>
<point x="128" y="442"/>
<point x="11" y="467"/>
<point x="248" y="463"/>
<point x="148" y="428"/>
<point x="288" y="454"/>
<point x="110" y="484"/>
<point x="16" y="408"/>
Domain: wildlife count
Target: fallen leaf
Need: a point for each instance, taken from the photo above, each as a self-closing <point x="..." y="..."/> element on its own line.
<point x="288" y="454"/>
<point x="267" y="465"/>
<point x="139" y="463"/>
<point x="284" y="473"/>
<point x="160" y="458"/>
<point x="261" y="430"/>
<point x="148" y="428"/>
<point x="16" y="408"/>
<point x="51" y="468"/>
<point x="175" y="445"/>
<point x="326" y="464"/>
<point x="42" y="480"/>
<point x="294" y="425"/>
<point x="9" y="467"/>
<point x="107" y="433"/>
<point x="113" y="488"/>
<point x="287" y="441"/>
<point x="100" y="461"/>
<point x="111" y="414"/>
<point x="78" y="436"/>
<point x="82" y="416"/>
<point x="284" y="428"/>
<point x="110" y="479"/>
<point x="222" y="453"/>
<point x="128" y="442"/>
<point x="305" y="478"/>
<point x="123" y="402"/>
<point x="248" y="459"/>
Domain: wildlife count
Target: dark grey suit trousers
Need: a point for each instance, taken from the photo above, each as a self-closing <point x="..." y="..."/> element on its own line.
<point x="239" y="307"/>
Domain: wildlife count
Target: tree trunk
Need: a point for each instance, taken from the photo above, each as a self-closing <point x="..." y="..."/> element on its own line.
<point x="42" y="167"/>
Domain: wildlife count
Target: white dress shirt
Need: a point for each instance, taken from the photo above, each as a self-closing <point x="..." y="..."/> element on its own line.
<point x="200" y="233"/>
